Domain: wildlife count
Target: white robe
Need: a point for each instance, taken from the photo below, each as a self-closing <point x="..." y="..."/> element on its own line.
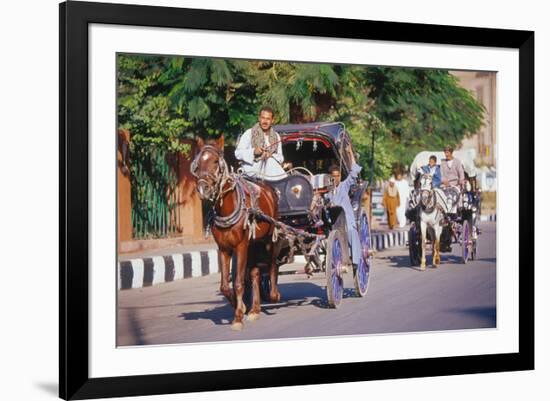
<point x="404" y="192"/>
<point x="269" y="169"/>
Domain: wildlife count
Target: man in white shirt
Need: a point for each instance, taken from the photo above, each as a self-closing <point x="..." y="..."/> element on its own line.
<point x="403" y="188"/>
<point x="260" y="149"/>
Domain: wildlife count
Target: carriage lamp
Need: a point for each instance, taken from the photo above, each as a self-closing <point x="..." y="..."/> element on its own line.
<point x="297" y="190"/>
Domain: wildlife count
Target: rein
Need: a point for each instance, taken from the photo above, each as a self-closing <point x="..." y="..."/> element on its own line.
<point x="221" y="177"/>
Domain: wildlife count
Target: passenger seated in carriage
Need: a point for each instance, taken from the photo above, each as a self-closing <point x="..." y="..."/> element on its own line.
<point x="431" y="168"/>
<point x="339" y="196"/>
<point x="259" y="149"/>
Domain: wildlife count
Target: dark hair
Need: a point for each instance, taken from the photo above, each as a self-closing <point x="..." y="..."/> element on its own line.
<point x="432" y="157"/>
<point x="268" y="109"/>
<point x="333" y="167"/>
<point x="449" y="148"/>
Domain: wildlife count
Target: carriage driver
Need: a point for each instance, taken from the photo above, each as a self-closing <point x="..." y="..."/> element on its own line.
<point x="339" y="196"/>
<point x="452" y="171"/>
<point x="260" y="150"/>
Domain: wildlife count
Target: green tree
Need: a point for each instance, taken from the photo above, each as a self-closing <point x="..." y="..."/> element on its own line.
<point x="423" y="109"/>
<point x="164" y="99"/>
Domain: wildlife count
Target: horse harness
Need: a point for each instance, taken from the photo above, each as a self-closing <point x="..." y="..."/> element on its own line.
<point x="242" y="187"/>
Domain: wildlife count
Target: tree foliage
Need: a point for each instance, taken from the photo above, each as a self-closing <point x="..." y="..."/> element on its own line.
<point x="164" y="99"/>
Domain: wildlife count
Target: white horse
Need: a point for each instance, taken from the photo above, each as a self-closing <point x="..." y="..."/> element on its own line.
<point x="433" y="207"/>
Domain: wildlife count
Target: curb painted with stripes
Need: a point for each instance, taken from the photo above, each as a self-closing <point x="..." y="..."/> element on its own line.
<point x="391" y="239"/>
<point x="490" y="217"/>
<point x="145" y="272"/>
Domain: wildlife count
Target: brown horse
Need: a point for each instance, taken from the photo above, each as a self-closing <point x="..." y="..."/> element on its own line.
<point x="235" y="229"/>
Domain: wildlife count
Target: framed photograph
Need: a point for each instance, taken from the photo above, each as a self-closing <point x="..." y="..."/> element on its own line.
<point x="253" y="200"/>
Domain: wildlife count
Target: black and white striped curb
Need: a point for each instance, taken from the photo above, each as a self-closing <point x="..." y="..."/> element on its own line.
<point x="144" y="272"/>
<point x="390" y="239"/>
<point x="489" y="217"/>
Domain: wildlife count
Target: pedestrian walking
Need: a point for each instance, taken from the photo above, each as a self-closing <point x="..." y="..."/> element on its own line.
<point x="403" y="188"/>
<point x="391" y="202"/>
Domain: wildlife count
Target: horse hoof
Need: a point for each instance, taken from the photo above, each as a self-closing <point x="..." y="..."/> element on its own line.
<point x="253" y="316"/>
<point x="237" y="326"/>
<point x="434" y="266"/>
<point x="275" y="299"/>
<point x="422" y="267"/>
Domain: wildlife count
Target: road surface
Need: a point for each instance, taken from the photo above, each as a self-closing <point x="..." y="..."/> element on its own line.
<point x="400" y="299"/>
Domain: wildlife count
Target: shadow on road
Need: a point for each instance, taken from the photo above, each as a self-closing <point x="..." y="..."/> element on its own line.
<point x="136" y="330"/>
<point x="221" y="315"/>
<point x="490" y="260"/>
<point x="403" y="261"/>
<point x="220" y="301"/>
<point x="292" y="295"/>
<point x="486" y="313"/>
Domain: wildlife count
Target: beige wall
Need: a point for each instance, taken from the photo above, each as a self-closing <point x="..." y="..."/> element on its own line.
<point x="189" y="203"/>
<point x="124" y="203"/>
<point x="483" y="87"/>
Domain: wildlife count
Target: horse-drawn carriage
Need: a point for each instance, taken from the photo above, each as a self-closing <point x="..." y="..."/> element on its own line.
<point x="250" y="228"/>
<point x="458" y="207"/>
<point x="311" y="149"/>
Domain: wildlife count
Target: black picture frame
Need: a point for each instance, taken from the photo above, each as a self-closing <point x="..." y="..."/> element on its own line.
<point x="75" y="382"/>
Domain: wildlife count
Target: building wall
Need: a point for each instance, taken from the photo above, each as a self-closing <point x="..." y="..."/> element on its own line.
<point x="483" y="87"/>
<point x="189" y="204"/>
<point x="124" y="203"/>
<point x="189" y="219"/>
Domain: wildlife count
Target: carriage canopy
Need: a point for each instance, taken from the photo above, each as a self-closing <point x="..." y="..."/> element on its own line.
<point x="466" y="156"/>
<point x="315" y="145"/>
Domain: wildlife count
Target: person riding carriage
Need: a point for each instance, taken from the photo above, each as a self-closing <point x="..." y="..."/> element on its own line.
<point x="454" y="205"/>
<point x="339" y="196"/>
<point x="260" y="150"/>
<point x="431" y="168"/>
<point x="261" y="216"/>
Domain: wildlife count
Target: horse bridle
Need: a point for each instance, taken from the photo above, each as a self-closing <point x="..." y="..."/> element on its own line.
<point x="220" y="177"/>
<point x="430" y="198"/>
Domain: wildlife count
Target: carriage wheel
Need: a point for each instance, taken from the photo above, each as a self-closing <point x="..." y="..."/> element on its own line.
<point x="473" y="240"/>
<point x="333" y="267"/>
<point x="415" y="244"/>
<point x="466" y="234"/>
<point x="362" y="272"/>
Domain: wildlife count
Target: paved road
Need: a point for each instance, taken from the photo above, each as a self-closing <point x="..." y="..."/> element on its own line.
<point x="400" y="299"/>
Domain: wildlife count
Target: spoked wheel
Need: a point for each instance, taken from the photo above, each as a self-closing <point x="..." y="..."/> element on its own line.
<point x="333" y="269"/>
<point x="475" y="233"/>
<point x="415" y="244"/>
<point x="362" y="271"/>
<point x="466" y="241"/>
